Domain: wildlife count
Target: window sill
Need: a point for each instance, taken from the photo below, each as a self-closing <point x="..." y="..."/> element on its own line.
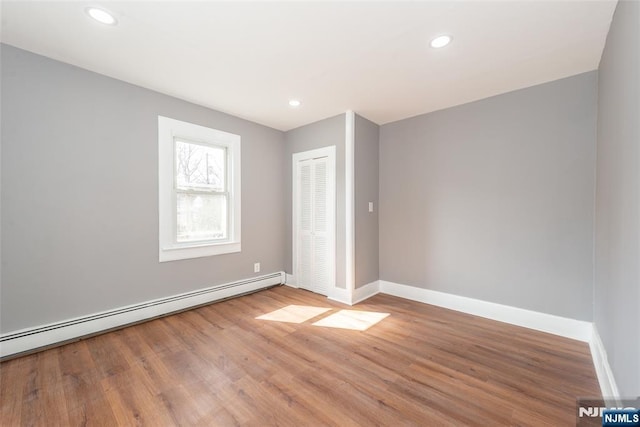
<point x="197" y="251"/>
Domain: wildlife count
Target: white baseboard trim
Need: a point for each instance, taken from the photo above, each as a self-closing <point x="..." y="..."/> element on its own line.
<point x="339" y="295"/>
<point x="30" y="339"/>
<point x="335" y="294"/>
<point x="569" y="328"/>
<point x="367" y="291"/>
<point x="606" y="379"/>
<point x="290" y="280"/>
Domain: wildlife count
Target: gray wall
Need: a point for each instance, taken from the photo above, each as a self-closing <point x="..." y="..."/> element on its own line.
<point x="367" y="148"/>
<point x="323" y="133"/>
<point x="80" y="194"/>
<point x="617" y="278"/>
<point x="494" y="199"/>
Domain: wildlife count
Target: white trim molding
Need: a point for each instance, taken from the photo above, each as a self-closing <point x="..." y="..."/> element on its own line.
<point x="364" y="292"/>
<point x="350" y="204"/>
<point x="340" y="295"/>
<point x="606" y="379"/>
<point x="290" y="280"/>
<point x="29" y="339"/>
<point x="563" y="326"/>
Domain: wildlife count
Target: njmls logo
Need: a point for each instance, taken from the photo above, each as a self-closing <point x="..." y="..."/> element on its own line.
<point x="621" y="417"/>
<point x="625" y="413"/>
<point x="592" y="411"/>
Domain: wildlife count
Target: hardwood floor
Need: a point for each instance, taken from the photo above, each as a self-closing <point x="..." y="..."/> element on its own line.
<point x="219" y="365"/>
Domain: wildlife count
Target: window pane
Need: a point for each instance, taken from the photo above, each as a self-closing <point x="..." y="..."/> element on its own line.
<point x="201" y="217"/>
<point x="199" y="166"/>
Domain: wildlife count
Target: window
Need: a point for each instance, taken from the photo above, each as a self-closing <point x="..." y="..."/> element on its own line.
<point x="199" y="191"/>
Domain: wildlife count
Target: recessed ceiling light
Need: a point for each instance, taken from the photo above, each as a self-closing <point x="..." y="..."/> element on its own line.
<point x="294" y="103"/>
<point x="101" y="16"/>
<point x="440" y="41"/>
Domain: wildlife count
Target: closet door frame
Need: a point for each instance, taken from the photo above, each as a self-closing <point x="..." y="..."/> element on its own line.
<point x="330" y="153"/>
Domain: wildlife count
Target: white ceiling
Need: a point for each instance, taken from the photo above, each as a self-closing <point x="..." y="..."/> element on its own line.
<point x="249" y="59"/>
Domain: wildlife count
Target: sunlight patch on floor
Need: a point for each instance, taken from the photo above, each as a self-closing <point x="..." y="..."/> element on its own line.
<point x="294" y="314"/>
<point x="352" y="319"/>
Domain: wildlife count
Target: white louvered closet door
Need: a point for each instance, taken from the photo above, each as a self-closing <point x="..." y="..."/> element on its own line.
<point x="313" y="270"/>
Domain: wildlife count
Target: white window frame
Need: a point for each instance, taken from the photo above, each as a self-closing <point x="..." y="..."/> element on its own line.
<point x="169" y="248"/>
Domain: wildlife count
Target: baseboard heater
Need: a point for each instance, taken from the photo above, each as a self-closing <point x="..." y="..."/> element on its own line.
<point x="32" y="339"/>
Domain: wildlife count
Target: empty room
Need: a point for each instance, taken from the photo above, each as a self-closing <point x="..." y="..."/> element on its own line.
<point x="320" y="213"/>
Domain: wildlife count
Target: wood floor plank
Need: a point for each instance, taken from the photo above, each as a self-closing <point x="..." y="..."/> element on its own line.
<point x="85" y="400"/>
<point x="220" y="365"/>
<point x="13" y="381"/>
<point x="52" y="401"/>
